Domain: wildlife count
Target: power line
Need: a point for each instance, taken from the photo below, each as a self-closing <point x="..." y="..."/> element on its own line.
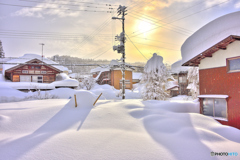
<point x="183" y="17"/>
<point x="155" y="20"/>
<point x="183" y="10"/>
<point x="156" y="46"/>
<point x="180" y="32"/>
<point x="156" y="41"/>
<point x="14" y="5"/>
<point x="136" y="47"/>
<point x="82" y="2"/>
<point x="106" y="5"/>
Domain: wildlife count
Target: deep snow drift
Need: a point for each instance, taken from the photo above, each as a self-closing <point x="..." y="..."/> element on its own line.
<point x="113" y="129"/>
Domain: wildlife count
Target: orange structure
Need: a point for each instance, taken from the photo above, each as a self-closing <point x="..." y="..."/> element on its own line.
<point x="112" y="75"/>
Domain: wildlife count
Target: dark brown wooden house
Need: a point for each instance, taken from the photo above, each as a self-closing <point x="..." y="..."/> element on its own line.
<point x="32" y="71"/>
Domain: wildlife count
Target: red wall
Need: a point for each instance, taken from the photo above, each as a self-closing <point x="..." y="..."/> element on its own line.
<point x="218" y="81"/>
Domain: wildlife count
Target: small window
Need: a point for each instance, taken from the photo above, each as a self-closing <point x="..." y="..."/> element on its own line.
<point x="37" y="67"/>
<point x="44" y="72"/>
<point x="183" y="79"/>
<point x="233" y="64"/>
<point x="215" y="107"/>
<point x="32" y="67"/>
<point x="24" y="71"/>
<point x="127" y="84"/>
<point x="37" y="72"/>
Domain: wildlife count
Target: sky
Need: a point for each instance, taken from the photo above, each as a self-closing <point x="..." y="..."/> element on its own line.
<point x="85" y="29"/>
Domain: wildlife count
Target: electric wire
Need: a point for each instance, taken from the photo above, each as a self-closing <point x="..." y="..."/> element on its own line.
<point x="107" y="5"/>
<point x="136" y="47"/>
<point x="78" y="10"/>
<point x="183" y="17"/>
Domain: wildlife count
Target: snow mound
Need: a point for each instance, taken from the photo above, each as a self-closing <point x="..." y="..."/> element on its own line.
<point x="84" y="99"/>
<point x="210" y="34"/>
<point x="8" y="94"/>
<point x="66" y="83"/>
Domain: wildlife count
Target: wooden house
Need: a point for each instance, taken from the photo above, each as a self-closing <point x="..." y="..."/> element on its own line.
<point x="112" y="75"/>
<point x="179" y="73"/>
<point x="215" y="50"/>
<point x="29" y="69"/>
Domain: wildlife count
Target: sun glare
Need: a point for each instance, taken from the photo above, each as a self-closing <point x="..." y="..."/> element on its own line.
<point x="143" y="27"/>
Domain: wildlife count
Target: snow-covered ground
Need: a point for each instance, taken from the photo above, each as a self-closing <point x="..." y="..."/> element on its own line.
<point x="112" y="129"/>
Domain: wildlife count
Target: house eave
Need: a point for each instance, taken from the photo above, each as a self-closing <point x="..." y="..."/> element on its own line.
<point x="195" y="61"/>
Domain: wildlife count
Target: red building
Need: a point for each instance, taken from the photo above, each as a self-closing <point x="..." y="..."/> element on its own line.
<point x="215" y="49"/>
<point x="29" y="68"/>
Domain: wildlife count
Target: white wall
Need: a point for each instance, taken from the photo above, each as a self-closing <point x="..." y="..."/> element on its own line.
<point x="218" y="58"/>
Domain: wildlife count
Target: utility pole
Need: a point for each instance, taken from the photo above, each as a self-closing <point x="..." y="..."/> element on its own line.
<point x="2" y="55"/>
<point x="121" y="48"/>
<point x="42" y="50"/>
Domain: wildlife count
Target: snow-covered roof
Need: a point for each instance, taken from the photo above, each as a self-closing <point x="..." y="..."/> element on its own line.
<point x="27" y="57"/>
<point x="177" y="67"/>
<point x="114" y="64"/>
<point x="136" y="75"/>
<point x="171" y="84"/>
<point x="100" y="69"/>
<point x="210" y="34"/>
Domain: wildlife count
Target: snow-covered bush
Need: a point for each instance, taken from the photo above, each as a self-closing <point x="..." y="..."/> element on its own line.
<point x="62" y="76"/>
<point x="87" y="82"/>
<point x="40" y="95"/>
<point x="154" y="79"/>
<point x="193" y="78"/>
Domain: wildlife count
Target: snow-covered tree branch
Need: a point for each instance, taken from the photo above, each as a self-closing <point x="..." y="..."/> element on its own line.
<point x="154" y="79"/>
<point x="193" y="78"/>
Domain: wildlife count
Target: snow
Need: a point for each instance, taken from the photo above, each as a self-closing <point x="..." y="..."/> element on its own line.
<point x="63" y="80"/>
<point x="154" y="78"/>
<point x="66" y="83"/>
<point x="210" y="34"/>
<point x="136" y="75"/>
<point x="171" y="84"/>
<point x="113" y="129"/>
<point x="100" y="69"/>
<point x="213" y="96"/>
<point x="154" y="64"/>
<point x="177" y="67"/>
<point x="27" y="57"/>
<point x="28" y="85"/>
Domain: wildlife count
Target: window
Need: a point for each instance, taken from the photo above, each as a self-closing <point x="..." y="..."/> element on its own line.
<point x="37" y="72"/>
<point x="215" y="107"/>
<point x="44" y="72"/>
<point x="233" y="64"/>
<point x="38" y="79"/>
<point x="37" y="67"/>
<point x="183" y="79"/>
<point x="24" y="71"/>
<point x="127" y="84"/>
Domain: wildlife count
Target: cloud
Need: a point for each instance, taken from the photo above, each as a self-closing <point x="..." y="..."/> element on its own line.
<point x="237" y="5"/>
